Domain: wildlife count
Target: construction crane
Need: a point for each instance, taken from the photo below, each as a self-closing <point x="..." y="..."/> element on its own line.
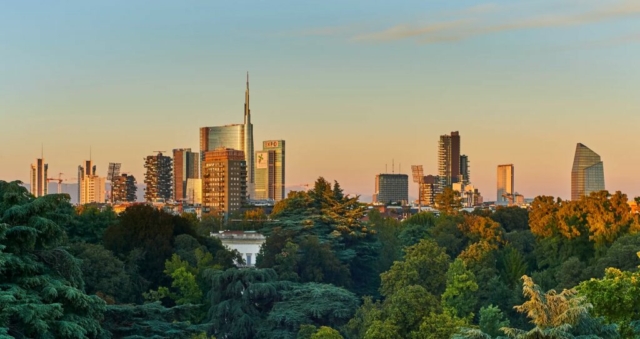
<point x="59" y="180"/>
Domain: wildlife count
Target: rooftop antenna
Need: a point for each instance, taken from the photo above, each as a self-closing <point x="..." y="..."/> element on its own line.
<point x="393" y="166"/>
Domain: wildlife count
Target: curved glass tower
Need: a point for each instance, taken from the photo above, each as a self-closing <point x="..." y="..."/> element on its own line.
<point x="587" y="174"/>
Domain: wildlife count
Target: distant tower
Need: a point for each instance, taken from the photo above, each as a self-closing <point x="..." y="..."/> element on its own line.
<point x="449" y="159"/>
<point x="248" y="143"/>
<point x="587" y="174"/>
<point x="38" y="178"/>
<point x="505" y="183"/>
<point x="270" y="170"/>
<point x="185" y="166"/>
<point x="91" y="188"/>
<point x="465" y="171"/>
<point x="236" y="136"/>
<point x="158" y="178"/>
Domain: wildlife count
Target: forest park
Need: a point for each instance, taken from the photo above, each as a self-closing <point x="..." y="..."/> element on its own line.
<point x="330" y="268"/>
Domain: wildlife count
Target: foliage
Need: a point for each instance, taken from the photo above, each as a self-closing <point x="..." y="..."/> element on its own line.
<point x="41" y="286"/>
<point x="325" y="332"/>
<point x="424" y="264"/>
<point x="104" y="273"/>
<point x="557" y="315"/>
<point x="151" y="230"/>
<point x="616" y="297"/>
<point x="89" y="223"/>
<point x="459" y="298"/>
<point x="151" y="321"/>
<point x="312" y="303"/>
<point x="511" y="218"/>
<point x="492" y="320"/>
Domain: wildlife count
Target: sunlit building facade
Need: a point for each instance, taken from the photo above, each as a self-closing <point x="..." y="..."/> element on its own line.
<point x="587" y="174"/>
<point x="270" y="171"/>
<point x="38" y="178"/>
<point x="91" y="187"/>
<point x="505" y="189"/>
<point x="224" y="181"/>
<point x="185" y="166"/>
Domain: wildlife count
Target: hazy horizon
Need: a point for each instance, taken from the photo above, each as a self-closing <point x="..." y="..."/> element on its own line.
<point x="351" y="87"/>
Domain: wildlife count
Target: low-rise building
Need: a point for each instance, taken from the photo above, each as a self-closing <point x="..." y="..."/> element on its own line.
<point x="247" y="243"/>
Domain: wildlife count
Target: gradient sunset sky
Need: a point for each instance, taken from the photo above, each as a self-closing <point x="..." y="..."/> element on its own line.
<point x="350" y="85"/>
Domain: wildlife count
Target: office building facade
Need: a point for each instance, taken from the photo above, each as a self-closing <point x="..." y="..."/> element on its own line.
<point x="38" y="178"/>
<point x="505" y="189"/>
<point x="158" y="178"/>
<point x="587" y="174"/>
<point x="194" y="191"/>
<point x="224" y="181"/>
<point x="270" y="171"/>
<point x="91" y="187"/>
<point x="391" y="188"/>
<point x="238" y="137"/>
<point x="449" y="159"/>
<point x="185" y="166"/>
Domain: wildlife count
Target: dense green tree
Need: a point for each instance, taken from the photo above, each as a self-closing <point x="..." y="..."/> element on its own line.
<point x="325" y="332"/>
<point x="151" y="230"/>
<point x="382" y="330"/>
<point x="89" y="223"/>
<point x="364" y="317"/>
<point x="41" y="286"/>
<point x="152" y="321"/>
<point x="241" y="300"/>
<point x="492" y="320"/>
<point x="511" y="265"/>
<point x="459" y="297"/>
<point x="511" y="218"/>
<point x="616" y="297"/>
<point x="424" y="264"/>
<point x="438" y="326"/>
<point x="311" y="303"/>
<point x="104" y="273"/>
<point x="557" y="315"/>
<point x="447" y="234"/>
<point x="407" y="307"/>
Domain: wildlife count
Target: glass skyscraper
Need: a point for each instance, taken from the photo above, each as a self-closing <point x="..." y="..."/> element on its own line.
<point x="270" y="171"/>
<point x="237" y="136"/>
<point x="587" y="174"/>
<point x="505" y="183"/>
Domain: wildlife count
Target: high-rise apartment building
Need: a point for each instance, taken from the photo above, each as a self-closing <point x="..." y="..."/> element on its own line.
<point x="429" y="188"/>
<point x="449" y="159"/>
<point x="391" y="188"/>
<point x="238" y="137"/>
<point x="38" y="178"/>
<point x="185" y="166"/>
<point x="91" y="187"/>
<point x="158" y="178"/>
<point x="270" y="171"/>
<point x="465" y="171"/>
<point x="224" y="180"/>
<point x="124" y="188"/>
<point x="587" y="174"/>
<point x="506" y="189"/>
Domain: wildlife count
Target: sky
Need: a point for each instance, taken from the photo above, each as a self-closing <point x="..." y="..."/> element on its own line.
<point x="352" y="86"/>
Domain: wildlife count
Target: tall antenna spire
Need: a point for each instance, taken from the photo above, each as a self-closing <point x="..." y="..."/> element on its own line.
<point x="247" y="80"/>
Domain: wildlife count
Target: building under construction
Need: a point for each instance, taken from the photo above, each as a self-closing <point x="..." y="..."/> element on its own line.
<point x="158" y="178"/>
<point x="224" y="180"/>
<point x="428" y="189"/>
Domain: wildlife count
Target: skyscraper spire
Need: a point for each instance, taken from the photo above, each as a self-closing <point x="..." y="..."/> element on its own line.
<point x="247" y="110"/>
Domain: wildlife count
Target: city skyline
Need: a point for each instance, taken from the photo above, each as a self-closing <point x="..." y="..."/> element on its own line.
<point x="383" y="79"/>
